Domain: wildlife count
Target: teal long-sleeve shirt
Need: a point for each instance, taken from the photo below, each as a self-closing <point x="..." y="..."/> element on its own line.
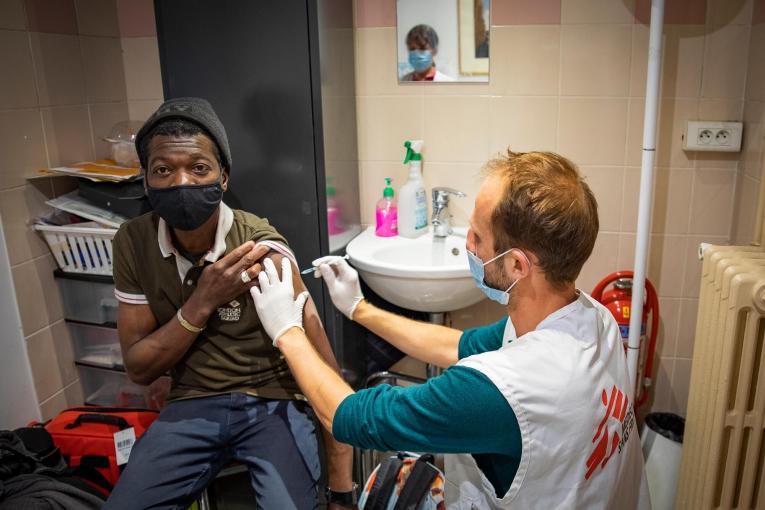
<point x="460" y="411"/>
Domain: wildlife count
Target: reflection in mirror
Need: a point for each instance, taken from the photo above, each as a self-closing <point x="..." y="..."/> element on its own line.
<point x="443" y="40"/>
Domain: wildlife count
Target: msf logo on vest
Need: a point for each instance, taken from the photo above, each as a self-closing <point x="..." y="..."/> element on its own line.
<point x="613" y="431"/>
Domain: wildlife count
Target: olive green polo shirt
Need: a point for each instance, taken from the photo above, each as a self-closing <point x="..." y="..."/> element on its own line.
<point x="233" y="353"/>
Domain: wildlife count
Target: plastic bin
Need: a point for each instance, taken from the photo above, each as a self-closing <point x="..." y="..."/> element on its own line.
<point x="662" y="440"/>
<point x="87" y="298"/>
<point x="106" y="387"/>
<point x="96" y="345"/>
<point x="80" y="249"/>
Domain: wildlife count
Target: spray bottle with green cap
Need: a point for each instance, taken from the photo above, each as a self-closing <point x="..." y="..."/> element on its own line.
<point x="386" y="214"/>
<point x="412" y="204"/>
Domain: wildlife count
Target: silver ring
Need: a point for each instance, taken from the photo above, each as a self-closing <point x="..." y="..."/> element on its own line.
<point x="245" y="277"/>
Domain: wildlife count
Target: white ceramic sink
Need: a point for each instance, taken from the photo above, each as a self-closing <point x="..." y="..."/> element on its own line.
<point x="426" y="274"/>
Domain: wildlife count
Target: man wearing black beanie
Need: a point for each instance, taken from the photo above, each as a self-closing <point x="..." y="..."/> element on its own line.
<point x="182" y="275"/>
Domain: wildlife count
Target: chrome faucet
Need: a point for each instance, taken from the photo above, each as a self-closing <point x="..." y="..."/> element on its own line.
<point x="441" y="218"/>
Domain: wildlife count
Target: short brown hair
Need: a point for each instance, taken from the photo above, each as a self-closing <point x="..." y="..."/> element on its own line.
<point x="546" y="208"/>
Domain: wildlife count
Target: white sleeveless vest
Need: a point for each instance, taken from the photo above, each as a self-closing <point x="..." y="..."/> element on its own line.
<point x="567" y="384"/>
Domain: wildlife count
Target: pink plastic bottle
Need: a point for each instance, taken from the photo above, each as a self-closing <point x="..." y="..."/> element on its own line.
<point x="386" y="213"/>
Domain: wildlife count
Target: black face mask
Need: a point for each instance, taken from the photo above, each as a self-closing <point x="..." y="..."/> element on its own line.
<point x="186" y="207"/>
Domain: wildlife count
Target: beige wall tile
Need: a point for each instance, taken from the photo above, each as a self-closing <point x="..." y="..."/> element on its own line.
<point x="29" y="297"/>
<point x="141" y="110"/>
<point x="745" y="212"/>
<point x="727" y="12"/>
<point x="755" y="73"/>
<point x="526" y="60"/>
<point x="102" y="118"/>
<point x="18" y="207"/>
<point x="522" y="124"/>
<point x="37" y="294"/>
<point x="631" y="197"/>
<point x="595" y="60"/>
<point x="384" y="123"/>
<point x="22" y="147"/>
<point x="465" y="177"/>
<point x="73" y="394"/>
<point x="58" y="66"/>
<point x="683" y="55"/>
<point x="12" y="15"/>
<point x="725" y="59"/>
<point x="673" y="114"/>
<point x="372" y="183"/>
<point x="41" y="350"/>
<point x="606" y="183"/>
<point x="727" y="110"/>
<point x="17" y="88"/>
<point x="592" y="130"/>
<point x="754" y="139"/>
<point x="602" y="261"/>
<point x="672" y="200"/>
<point x="597" y="11"/>
<point x="470" y="317"/>
<point x="62" y="342"/>
<point x="376" y="72"/>
<point x="51" y="407"/>
<point x="681" y="381"/>
<point x="456" y="128"/>
<point x="663" y="397"/>
<point x="669" y="315"/>
<point x="97" y="17"/>
<point x="687" y="330"/>
<point x="626" y="258"/>
<point x="666" y="263"/>
<point x="104" y="73"/>
<point x="67" y="133"/>
<point x="339" y="131"/>
<point x="712" y="206"/>
<point x="143" y="79"/>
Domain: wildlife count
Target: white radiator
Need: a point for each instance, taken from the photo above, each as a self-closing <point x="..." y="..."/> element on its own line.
<point x="723" y="462"/>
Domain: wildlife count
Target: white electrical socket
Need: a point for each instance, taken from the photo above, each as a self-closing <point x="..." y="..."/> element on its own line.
<point x="705" y="135"/>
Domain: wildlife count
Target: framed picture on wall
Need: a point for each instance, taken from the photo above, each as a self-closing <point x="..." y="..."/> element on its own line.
<point x="474" y="26"/>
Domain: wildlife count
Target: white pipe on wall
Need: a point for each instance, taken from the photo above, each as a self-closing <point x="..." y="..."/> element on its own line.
<point x="653" y="80"/>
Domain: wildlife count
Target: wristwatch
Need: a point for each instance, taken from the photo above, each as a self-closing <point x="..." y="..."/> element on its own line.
<point x="342" y="498"/>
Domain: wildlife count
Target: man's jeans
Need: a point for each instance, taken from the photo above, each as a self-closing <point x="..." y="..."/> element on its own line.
<point x="193" y="439"/>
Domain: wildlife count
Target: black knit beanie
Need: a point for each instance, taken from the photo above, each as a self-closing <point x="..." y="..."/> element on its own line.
<point x="195" y="109"/>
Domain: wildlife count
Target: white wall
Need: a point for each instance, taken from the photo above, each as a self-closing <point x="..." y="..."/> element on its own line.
<point x="442" y="16"/>
<point x="18" y="400"/>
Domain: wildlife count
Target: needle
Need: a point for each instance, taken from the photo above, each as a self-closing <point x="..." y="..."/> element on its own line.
<point x="312" y="269"/>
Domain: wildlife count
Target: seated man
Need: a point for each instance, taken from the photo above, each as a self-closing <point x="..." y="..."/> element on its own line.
<point x="182" y="275"/>
<point x="539" y="403"/>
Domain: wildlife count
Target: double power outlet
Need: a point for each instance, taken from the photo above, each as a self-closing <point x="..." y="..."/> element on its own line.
<point x="712" y="136"/>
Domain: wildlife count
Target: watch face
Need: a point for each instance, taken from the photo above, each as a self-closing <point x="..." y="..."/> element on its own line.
<point x="343" y="498"/>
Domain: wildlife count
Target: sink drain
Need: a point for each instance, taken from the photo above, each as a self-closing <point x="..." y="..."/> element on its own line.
<point x="455" y="251"/>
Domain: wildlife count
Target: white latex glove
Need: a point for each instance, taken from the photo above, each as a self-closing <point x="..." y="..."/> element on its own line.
<point x="275" y="301"/>
<point x="344" y="287"/>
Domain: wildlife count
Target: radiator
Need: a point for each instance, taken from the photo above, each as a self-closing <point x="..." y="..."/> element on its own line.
<point x="724" y="443"/>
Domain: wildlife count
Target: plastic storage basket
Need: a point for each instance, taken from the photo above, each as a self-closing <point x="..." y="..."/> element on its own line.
<point x="80" y="249"/>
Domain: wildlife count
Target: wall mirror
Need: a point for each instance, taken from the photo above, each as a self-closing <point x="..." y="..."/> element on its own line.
<point x="443" y="40"/>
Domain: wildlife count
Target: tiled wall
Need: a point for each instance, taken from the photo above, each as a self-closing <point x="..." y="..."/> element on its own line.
<point x="569" y="76"/>
<point x="64" y="85"/>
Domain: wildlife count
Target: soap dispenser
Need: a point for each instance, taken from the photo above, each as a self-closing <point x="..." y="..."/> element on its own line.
<point x="412" y="203"/>
<point x="385" y="213"/>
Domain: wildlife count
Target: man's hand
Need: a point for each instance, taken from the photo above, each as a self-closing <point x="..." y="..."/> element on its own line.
<point x="344" y="287"/>
<point x="222" y="281"/>
<point x="275" y="301"/>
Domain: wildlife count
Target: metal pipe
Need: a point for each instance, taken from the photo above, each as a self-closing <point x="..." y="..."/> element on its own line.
<point x="653" y="80"/>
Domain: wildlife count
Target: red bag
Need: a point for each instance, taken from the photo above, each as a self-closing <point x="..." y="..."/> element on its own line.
<point x="85" y="436"/>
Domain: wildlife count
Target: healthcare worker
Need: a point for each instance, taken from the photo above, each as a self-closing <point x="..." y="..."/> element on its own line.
<point x="539" y="403"/>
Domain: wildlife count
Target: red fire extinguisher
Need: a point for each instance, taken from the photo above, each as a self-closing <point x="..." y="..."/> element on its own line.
<point x="618" y="300"/>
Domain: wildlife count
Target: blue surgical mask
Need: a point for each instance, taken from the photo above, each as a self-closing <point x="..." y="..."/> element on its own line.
<point x="476" y="269"/>
<point x="420" y="60"/>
